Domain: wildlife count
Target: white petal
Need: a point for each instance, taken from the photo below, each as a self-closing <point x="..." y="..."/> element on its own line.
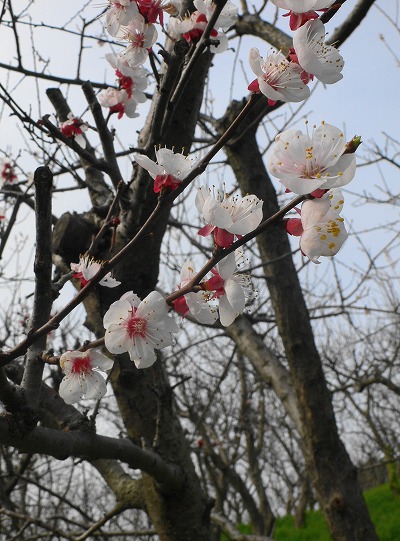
<point x="109" y="281"/>
<point x="341" y="173"/>
<point x="227" y="266"/>
<point x="255" y="61"/>
<point x="201" y="197"/>
<point x="227" y="314"/>
<point x="223" y="43"/>
<point x="153" y="306"/>
<point x="235" y="295"/>
<point x="216" y="215"/>
<point x="143" y="355"/>
<point x="116" y="339"/>
<point x="150" y="166"/>
<point x="132" y="298"/>
<point x="96" y="386"/>
<point x="118" y="311"/>
<point x="99" y="360"/>
<point x="313" y="211"/>
<point x="202" y="311"/>
<point x="71" y="389"/>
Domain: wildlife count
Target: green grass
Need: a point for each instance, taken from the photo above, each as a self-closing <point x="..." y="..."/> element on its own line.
<point x="383" y="505"/>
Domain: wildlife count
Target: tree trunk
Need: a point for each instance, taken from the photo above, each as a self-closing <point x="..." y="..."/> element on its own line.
<point x="334" y="477"/>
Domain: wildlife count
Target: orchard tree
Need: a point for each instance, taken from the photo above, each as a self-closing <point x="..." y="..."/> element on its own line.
<point x="199" y="426"/>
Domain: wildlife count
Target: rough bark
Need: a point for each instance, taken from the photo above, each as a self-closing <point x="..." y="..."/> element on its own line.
<point x="144" y="397"/>
<point x="334" y="477"/>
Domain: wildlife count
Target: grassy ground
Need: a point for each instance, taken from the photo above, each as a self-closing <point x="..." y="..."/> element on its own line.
<point x="383" y="506"/>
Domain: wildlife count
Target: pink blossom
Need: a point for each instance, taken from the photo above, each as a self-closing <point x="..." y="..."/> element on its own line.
<point x="154" y="9"/>
<point x="7" y="172"/>
<point x="139" y="327"/>
<point x="82" y="379"/>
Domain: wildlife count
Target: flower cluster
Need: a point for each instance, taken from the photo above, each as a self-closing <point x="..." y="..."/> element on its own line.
<point x="193" y="26"/>
<point x="286" y="78"/>
<point x="226" y="285"/>
<point x="314" y="165"/>
<point x="132" y="83"/>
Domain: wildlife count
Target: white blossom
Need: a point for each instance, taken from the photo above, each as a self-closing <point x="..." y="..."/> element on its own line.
<point x="314" y="56"/>
<point x="119" y="13"/>
<point x="74" y="128"/>
<point x="132" y="80"/>
<point x="304" y="163"/>
<point x="277" y="77"/>
<point x="324" y="231"/>
<point x="87" y="268"/>
<point x="82" y="379"/>
<point x="229" y="287"/>
<point x="141" y="37"/>
<point x="232" y="214"/>
<point x="139" y="327"/>
<point x="118" y="101"/>
<point x="197" y="303"/>
<point x="226" y="18"/>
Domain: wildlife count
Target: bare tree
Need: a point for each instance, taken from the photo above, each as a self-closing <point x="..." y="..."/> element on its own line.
<point x="238" y="421"/>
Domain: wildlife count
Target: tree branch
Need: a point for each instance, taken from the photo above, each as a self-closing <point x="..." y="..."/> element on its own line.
<point x="89" y="446"/>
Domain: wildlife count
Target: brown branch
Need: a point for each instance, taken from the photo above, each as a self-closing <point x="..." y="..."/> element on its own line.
<point x="351" y="23"/>
<point x="106" y="137"/>
<point x="55" y="78"/>
<point x="43" y="297"/>
<point x="89" y="446"/>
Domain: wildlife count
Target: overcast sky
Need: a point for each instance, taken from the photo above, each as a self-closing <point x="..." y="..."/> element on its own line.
<point x="364" y="102"/>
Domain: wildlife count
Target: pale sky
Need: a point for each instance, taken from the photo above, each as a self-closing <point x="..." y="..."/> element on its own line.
<point x="364" y="102"/>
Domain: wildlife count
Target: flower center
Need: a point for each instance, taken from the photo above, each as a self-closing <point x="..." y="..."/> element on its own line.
<point x="135" y="326"/>
<point x="81" y="365"/>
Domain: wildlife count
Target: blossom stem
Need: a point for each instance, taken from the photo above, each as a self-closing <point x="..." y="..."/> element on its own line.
<point x="163" y="204"/>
